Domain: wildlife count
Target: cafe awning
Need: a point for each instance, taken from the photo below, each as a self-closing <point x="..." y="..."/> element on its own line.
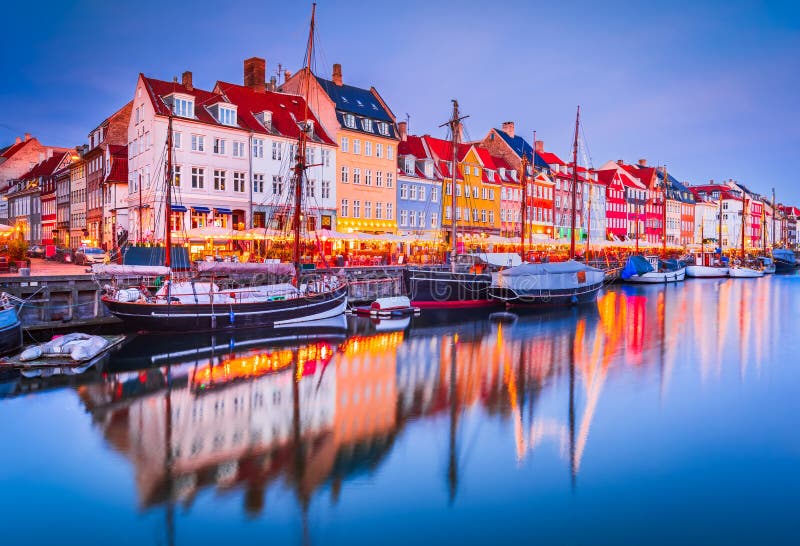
<point x="205" y="210"/>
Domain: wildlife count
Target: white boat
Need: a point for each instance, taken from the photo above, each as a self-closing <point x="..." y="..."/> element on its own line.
<point x="745" y="273"/>
<point x="767" y="264"/>
<point x="706" y="271"/>
<point x="640" y="270"/>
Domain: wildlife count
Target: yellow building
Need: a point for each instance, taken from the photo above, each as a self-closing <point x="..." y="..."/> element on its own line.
<point x="477" y="189"/>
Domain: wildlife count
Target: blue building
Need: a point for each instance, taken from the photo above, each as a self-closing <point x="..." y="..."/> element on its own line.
<point x="419" y="188"/>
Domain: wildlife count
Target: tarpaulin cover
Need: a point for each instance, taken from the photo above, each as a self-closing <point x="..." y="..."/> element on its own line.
<point x="636" y="265"/>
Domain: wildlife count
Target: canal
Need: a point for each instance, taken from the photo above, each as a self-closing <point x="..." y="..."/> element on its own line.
<point x="661" y="415"/>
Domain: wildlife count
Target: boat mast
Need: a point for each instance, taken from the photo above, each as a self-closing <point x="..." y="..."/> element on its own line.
<point x="523" y="173"/>
<point x="455" y="129"/>
<point x="588" y="213"/>
<point x="574" y="184"/>
<point x="763" y="228"/>
<point x="744" y="215"/>
<point x="168" y="199"/>
<point x="300" y="159"/>
<point x="719" y="226"/>
<point x="664" y="214"/>
<point x="533" y="189"/>
<point x="774" y="215"/>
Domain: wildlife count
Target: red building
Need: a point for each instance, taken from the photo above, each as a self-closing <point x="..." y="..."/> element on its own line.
<point x="654" y="204"/>
<point x="616" y="206"/>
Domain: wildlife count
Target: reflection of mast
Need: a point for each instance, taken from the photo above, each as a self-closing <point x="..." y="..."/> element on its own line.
<point x="571" y="410"/>
<point x="452" y="461"/>
<point x="170" y="508"/>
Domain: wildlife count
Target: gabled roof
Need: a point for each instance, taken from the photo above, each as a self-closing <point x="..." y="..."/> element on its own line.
<point x="9" y="151"/>
<point x="44" y="168"/>
<point x="287" y="111"/>
<point x="545" y="159"/>
<point x="413" y="145"/>
<point x="518" y="144"/>
<point x="119" y="165"/>
<point x="157" y="89"/>
<point x="355" y="100"/>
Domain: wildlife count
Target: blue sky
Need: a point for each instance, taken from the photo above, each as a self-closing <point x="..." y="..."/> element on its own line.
<point x="707" y="88"/>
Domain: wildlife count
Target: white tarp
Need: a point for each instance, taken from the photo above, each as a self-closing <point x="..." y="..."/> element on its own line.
<point x="549" y="276"/>
<point x="116" y="270"/>
<point x="500" y="259"/>
<point x="230" y="268"/>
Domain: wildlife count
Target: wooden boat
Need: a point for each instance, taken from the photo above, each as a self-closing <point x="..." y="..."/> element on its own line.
<point x="743" y="272"/>
<point x="706" y="265"/>
<point x="785" y="260"/>
<point x="548" y="285"/>
<point x="10" y="327"/>
<point x="767" y="265"/>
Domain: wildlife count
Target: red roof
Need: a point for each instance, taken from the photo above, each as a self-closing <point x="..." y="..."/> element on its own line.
<point x="202" y="99"/>
<point x="45" y="168"/>
<point x="14" y="148"/>
<point x="413" y="145"/>
<point x="550" y="158"/>
<point x="119" y="165"/>
<point x="287" y="111"/>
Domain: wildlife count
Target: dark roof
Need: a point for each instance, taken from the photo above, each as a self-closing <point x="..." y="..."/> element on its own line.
<point x="355" y="100"/>
<point x="287" y="111"/>
<point x="518" y="144"/>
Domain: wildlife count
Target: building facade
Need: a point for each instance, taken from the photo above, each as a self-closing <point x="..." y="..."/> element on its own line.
<point x="419" y="188"/>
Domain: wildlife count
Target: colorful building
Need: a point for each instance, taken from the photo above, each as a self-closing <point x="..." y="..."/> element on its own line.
<point x="732" y="202"/>
<point x="616" y="206"/>
<point x="365" y="129"/>
<point x="419" y="187"/>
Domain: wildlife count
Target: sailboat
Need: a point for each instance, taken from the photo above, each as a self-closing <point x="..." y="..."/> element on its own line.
<point x="199" y="304"/>
<point x="743" y="270"/>
<point x="551" y="284"/>
<point x="708" y="263"/>
<point x="459" y="285"/>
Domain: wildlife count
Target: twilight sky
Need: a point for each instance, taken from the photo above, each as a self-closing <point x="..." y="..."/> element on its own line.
<point x="708" y="88"/>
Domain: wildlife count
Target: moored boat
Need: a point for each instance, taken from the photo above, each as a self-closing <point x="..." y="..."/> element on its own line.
<point x="547" y="284"/>
<point x="10" y="327"/>
<point x="767" y="265"/>
<point x="744" y="272"/>
<point x="706" y="265"/>
<point x="640" y="270"/>
<point x="785" y="260"/>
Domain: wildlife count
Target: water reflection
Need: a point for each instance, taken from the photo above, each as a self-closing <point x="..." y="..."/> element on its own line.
<point x="312" y="415"/>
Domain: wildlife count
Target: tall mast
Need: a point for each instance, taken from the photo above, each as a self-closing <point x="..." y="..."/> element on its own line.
<point x="533" y="189"/>
<point x="300" y="160"/>
<point x="588" y="213"/>
<point x="523" y="172"/>
<point x="744" y="215"/>
<point x="664" y="214"/>
<point x="719" y="225"/>
<point x="455" y="129"/>
<point x="774" y="216"/>
<point x="168" y="198"/>
<point x="574" y="185"/>
<point x="764" y="228"/>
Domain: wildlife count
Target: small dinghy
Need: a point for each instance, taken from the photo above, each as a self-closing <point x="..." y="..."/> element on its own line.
<point x="70" y="354"/>
<point x="397" y="306"/>
<point x="641" y="270"/>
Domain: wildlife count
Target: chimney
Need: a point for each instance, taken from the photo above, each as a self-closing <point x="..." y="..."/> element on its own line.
<point x="19" y="140"/>
<point x="539" y="146"/>
<point x="286" y="75"/>
<point x="620" y="162"/>
<point x="273" y="83"/>
<point x="337" y="74"/>
<point x="508" y="128"/>
<point x="643" y="163"/>
<point x="27" y="137"/>
<point x="255" y="73"/>
<point x="186" y="80"/>
<point x="402" y="127"/>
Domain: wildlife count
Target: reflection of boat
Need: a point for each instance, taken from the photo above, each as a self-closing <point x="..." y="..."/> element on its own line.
<point x="548" y="284"/>
<point x="641" y="270"/>
<point x="10" y="328"/>
<point x="785" y="260"/>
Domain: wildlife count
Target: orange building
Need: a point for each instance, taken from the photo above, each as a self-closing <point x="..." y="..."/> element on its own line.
<point x="367" y="136"/>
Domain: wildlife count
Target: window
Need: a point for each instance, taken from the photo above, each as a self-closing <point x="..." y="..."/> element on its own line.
<point x="198" y="143"/>
<point x="238" y="182"/>
<point x="378" y="210"/>
<point x="485" y="193"/>
<point x="219" y="179"/>
<point x="198" y="177"/>
<point x="389" y="211"/>
<point x="434" y="220"/>
<point x="258" y="148"/>
<point x="383" y="128"/>
<point x="491" y="194"/>
<point x="483" y="215"/>
<point x="367" y="209"/>
<point x="276" y="150"/>
<point x="366" y="124"/>
<point x="227" y="116"/>
<point x="345" y="144"/>
<point x="379" y="179"/>
<point x="277" y="184"/>
<point x="403" y="217"/>
<point x="367" y="148"/>
<point x="474" y="192"/>
<point x="176" y="175"/>
<point x="413" y="195"/>
<point x="326" y="158"/>
<point x="258" y="183"/>
<point x="458" y="190"/>
<point x="356" y="146"/>
<point x="199" y="219"/>
<point x="447" y="214"/>
<point x="183" y="108"/>
<point x="356" y="208"/>
<point x="367" y="177"/>
<point x="378" y="149"/>
<point x="238" y="148"/>
<point x="344" y="209"/>
<point x="434" y="195"/>
<point x="345" y="178"/>
<point x="390" y="152"/>
<point x="491" y="216"/>
<point x="326" y="189"/>
<point x="412" y="218"/>
<point x="219" y="146"/>
<point x="176" y="140"/>
<point x="310" y="155"/>
<point x="356" y="177"/>
<point x="403" y="191"/>
<point x="350" y="121"/>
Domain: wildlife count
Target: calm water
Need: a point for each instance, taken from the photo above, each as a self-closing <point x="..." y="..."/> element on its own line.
<point x="660" y="416"/>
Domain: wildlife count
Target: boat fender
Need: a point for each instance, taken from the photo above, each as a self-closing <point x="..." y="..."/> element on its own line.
<point x="89" y="349"/>
<point x="231" y="317"/>
<point x="574" y="299"/>
<point x="31" y="353"/>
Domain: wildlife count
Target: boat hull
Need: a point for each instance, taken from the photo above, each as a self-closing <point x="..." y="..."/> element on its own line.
<point x="10" y="331"/>
<point x="546" y="298"/>
<point x="656" y="277"/>
<point x="785" y="266"/>
<point x="745" y="273"/>
<point x="161" y="317"/>
<point x="442" y="289"/>
<point x="705" y="271"/>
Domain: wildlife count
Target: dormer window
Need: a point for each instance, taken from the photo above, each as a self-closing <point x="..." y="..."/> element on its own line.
<point x="366" y="124"/>
<point x="183" y="107"/>
<point x="383" y="128"/>
<point x="227" y="116"/>
<point x="308" y="127"/>
<point x="409" y="165"/>
<point x="265" y="118"/>
<point x="350" y="121"/>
